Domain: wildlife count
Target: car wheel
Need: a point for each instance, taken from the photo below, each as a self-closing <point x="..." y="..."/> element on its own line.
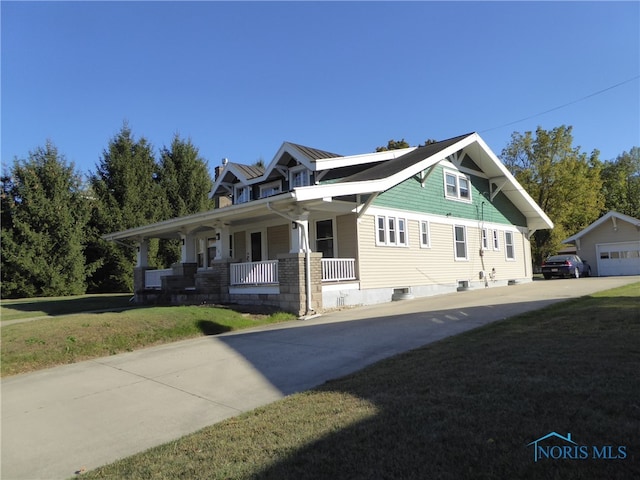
<point x="546" y="276"/>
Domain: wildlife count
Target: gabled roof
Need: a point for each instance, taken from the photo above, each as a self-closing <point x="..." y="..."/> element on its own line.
<point x="392" y="167"/>
<point x="313" y="153"/>
<point x="382" y="177"/>
<point x="610" y="215"/>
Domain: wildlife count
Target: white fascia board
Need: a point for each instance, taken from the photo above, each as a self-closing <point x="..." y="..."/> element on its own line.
<point x="360" y="159"/>
<point x="194" y="220"/>
<point x="542" y="221"/>
<point x="380" y="185"/>
<point x="620" y="216"/>
<point x="228" y="168"/>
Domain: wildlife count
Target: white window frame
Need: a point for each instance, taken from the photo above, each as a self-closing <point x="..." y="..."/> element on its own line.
<point x="270" y="189"/>
<point x="509" y="245"/>
<point x="425" y="231"/>
<point x="306" y="176"/>
<point x="463" y="241"/>
<point x="496" y="240"/>
<point x="485" y="239"/>
<point x="457" y="195"/>
<point x="240" y="194"/>
<point x="391" y="231"/>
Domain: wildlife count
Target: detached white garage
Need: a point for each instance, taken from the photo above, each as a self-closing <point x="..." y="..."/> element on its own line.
<point x="611" y="245"/>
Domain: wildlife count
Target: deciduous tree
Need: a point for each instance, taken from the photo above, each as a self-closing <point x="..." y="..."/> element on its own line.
<point x="565" y="183"/>
<point x="621" y="183"/>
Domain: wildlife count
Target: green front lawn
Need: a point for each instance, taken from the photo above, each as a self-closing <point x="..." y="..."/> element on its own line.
<point x="462" y="408"/>
<point x="54" y="341"/>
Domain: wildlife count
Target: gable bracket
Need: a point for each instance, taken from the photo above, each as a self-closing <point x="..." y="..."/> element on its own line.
<point x="366" y="205"/>
<point x="456" y="158"/>
<point x="422" y="176"/>
<point x="499" y="182"/>
<point x="320" y="175"/>
<point x="283" y="170"/>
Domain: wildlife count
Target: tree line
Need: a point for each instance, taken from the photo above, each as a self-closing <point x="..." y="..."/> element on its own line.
<point x="53" y="219"/>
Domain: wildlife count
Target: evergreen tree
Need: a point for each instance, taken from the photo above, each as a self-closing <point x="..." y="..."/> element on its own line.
<point x="185" y="181"/>
<point x="565" y="183"/>
<point x="393" y="145"/>
<point x="127" y="195"/>
<point x="44" y="220"/>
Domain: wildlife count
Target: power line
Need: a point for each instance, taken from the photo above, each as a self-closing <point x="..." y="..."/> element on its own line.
<point x="563" y="106"/>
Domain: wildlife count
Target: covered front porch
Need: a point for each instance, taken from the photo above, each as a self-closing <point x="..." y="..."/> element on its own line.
<point x="275" y="256"/>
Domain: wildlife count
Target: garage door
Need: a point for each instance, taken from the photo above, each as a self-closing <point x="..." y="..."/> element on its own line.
<point x="618" y="258"/>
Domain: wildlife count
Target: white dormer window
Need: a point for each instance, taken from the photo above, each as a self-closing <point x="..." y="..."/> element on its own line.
<point x="243" y="194"/>
<point x="270" y="189"/>
<point x="299" y="177"/>
<point x="457" y="186"/>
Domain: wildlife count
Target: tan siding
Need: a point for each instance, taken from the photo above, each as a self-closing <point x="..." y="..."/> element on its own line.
<point x="277" y="241"/>
<point x="346" y="236"/>
<point x="240" y="246"/>
<point x="605" y="233"/>
<point x="382" y="266"/>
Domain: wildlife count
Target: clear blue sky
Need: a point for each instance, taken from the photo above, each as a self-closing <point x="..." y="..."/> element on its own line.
<point x="241" y="78"/>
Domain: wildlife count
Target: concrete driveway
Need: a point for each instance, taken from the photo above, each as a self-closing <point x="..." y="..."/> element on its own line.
<point x="57" y="421"/>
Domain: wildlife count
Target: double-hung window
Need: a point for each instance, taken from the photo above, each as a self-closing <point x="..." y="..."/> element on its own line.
<point x="457" y="186"/>
<point x="243" y="194"/>
<point x="424" y="234"/>
<point x="508" y="246"/>
<point x="299" y="177"/>
<point x="485" y="239"/>
<point x="460" y="242"/>
<point x="496" y="241"/>
<point x="270" y="189"/>
<point x="391" y="231"/>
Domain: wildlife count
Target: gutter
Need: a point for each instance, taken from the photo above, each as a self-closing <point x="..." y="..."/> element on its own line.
<point x="307" y="255"/>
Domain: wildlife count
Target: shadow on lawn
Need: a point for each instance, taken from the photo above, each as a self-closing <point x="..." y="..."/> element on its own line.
<point x="207" y="327"/>
<point x="65" y="306"/>
<point x="467" y="407"/>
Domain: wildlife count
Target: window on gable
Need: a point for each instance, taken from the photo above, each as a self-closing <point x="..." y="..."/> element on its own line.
<point x="299" y="177"/>
<point x="508" y="246"/>
<point x="270" y="189"/>
<point x="457" y="186"/>
<point x="424" y="234"/>
<point x="460" y="242"/>
<point x="243" y="194"/>
<point x="391" y="231"/>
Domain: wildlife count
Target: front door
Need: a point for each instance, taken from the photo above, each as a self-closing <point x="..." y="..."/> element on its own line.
<point x="256" y="246"/>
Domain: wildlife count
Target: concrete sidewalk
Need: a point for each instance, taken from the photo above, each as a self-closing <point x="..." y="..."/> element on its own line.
<point x="56" y="421"/>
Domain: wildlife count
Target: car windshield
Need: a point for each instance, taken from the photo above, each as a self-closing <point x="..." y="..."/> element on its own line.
<point x="558" y="258"/>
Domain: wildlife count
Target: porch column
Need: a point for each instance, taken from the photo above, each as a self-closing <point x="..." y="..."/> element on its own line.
<point x="299" y="230"/>
<point x="188" y="249"/>
<point x="222" y="252"/>
<point x="143" y="253"/>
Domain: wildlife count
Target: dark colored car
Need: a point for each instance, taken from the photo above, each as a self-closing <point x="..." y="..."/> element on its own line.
<point x="565" y="266"/>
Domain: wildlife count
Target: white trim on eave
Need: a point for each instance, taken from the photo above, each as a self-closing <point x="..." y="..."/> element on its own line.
<point x="611" y="214"/>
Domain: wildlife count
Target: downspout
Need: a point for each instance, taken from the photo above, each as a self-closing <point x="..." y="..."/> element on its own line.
<point x="307" y="254"/>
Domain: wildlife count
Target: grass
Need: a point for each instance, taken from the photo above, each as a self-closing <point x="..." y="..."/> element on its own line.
<point x="53" y="306"/>
<point x="463" y="408"/>
<point x="66" y="339"/>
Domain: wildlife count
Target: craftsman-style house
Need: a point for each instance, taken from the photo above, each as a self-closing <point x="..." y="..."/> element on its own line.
<point x="315" y="230"/>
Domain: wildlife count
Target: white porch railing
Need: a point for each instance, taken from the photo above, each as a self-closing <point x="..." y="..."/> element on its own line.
<point x="254" y="273"/>
<point x="338" y="269"/>
<point x="153" y="278"/>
